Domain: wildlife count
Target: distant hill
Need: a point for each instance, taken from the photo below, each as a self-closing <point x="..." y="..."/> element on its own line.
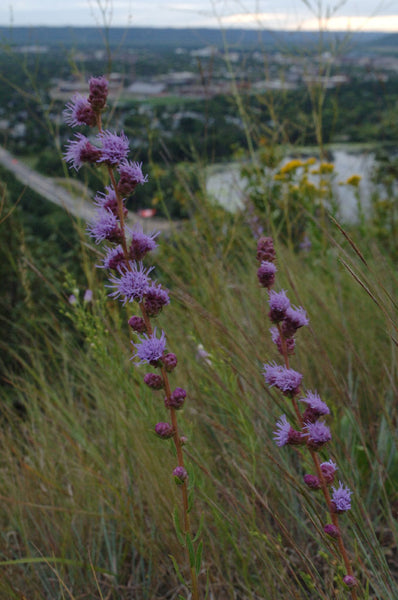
<point x="139" y="37"/>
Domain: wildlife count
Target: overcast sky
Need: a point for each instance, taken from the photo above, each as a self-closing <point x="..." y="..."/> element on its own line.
<point x="356" y="15"/>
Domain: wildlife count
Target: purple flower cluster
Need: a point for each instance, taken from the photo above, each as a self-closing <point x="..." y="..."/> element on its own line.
<point x="312" y="431"/>
<point x="129" y="280"/>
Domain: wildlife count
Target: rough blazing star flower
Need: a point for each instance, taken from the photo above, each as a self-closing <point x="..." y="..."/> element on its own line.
<point x="156" y="298"/>
<point x="114" y="258"/>
<point x="286" y="380"/>
<point x="98" y="92"/>
<point x="130" y="176"/>
<point x="294" y="319"/>
<point x="104" y="227"/>
<point x="79" y="112"/>
<point x="180" y="475"/>
<point x="318" y="434"/>
<point x="150" y="349"/>
<point x="114" y="147"/>
<point x="278" y="303"/>
<point x="109" y="201"/>
<point x="350" y="581"/>
<point x="141" y="243"/>
<point x="176" y="399"/>
<point x="164" y="430"/>
<point x="137" y="323"/>
<point x="332" y="530"/>
<point x="341" y="498"/>
<point x="315" y="407"/>
<point x="285" y="434"/>
<point x="329" y="469"/>
<point x="265" y="249"/>
<point x="81" y="150"/>
<point x="133" y="283"/>
<point x="266" y="274"/>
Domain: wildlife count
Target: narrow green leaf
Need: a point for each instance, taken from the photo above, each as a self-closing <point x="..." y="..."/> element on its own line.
<point x="191" y="551"/>
<point x="177" y="570"/>
<point x="198" y="558"/>
<point x="177" y="527"/>
<point x="200" y="528"/>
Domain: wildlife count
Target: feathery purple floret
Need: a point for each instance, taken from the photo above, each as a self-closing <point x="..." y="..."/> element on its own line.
<point x="317" y="406"/>
<point x="149" y="348"/>
<point x="81" y="150"/>
<point x="130" y="176"/>
<point x="156" y="298"/>
<point x="283" y="427"/>
<point x="266" y="274"/>
<point x="105" y="226"/>
<point x="141" y="243"/>
<point x="114" y="258"/>
<point x="329" y="469"/>
<point x="286" y="380"/>
<point x="278" y="303"/>
<point x="98" y="92"/>
<point x="317" y="433"/>
<point x="114" y="148"/>
<point x="79" y="112"/>
<point x="132" y="284"/>
<point x="294" y="319"/>
<point x="341" y="498"/>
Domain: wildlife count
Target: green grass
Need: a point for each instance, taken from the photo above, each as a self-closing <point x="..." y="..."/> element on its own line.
<point x="85" y="485"/>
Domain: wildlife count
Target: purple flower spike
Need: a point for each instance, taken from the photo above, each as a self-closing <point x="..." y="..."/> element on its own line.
<point x="329" y="469"/>
<point x="315" y="407"/>
<point x="294" y="319"/>
<point x="180" y="475"/>
<point x="286" y="380"/>
<point x="79" y="112"/>
<point x="132" y="284"/>
<point x="332" y="530"/>
<point x="278" y="303"/>
<point x="141" y="243"/>
<point x="98" y="92"/>
<point x="114" y="147"/>
<point x="266" y="274"/>
<point x="317" y="434"/>
<point x="80" y="151"/>
<point x="285" y="434"/>
<point x="164" y="430"/>
<point x="104" y="227"/>
<point x="350" y="581"/>
<point x="130" y="176"/>
<point x="341" y="498"/>
<point x="150" y="349"/>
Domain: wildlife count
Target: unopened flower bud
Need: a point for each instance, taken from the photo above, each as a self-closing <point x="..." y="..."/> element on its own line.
<point x="180" y="475"/>
<point x="266" y="274"/>
<point x="164" y="430"/>
<point x="154" y="381"/>
<point x="312" y="482"/>
<point x="332" y="530"/>
<point x="137" y="323"/>
<point x="177" y="399"/>
<point x="350" y="581"/>
<point x="265" y="249"/>
<point x="169" y="361"/>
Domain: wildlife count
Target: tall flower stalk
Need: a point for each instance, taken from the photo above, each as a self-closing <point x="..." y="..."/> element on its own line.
<point x="129" y="279"/>
<point x="311" y="430"/>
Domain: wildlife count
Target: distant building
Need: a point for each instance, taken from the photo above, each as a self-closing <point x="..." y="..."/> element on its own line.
<point x="143" y="89"/>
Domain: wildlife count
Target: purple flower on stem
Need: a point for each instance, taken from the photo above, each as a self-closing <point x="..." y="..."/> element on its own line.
<point x="332" y="530"/>
<point x="105" y="226"/>
<point x="130" y="176"/>
<point x="294" y="319"/>
<point x="132" y="284"/>
<point x="164" y="430"/>
<point x="312" y="482"/>
<point x="98" y="92"/>
<point x="170" y="362"/>
<point x="150" y="349"/>
<point x="109" y="201"/>
<point x="315" y="407"/>
<point x="350" y="581"/>
<point x="114" y="258"/>
<point x="141" y="243"/>
<point x="180" y="475"/>
<point x="285" y="434"/>
<point x="329" y="469"/>
<point x="81" y="150"/>
<point x="278" y="303"/>
<point x="155" y="299"/>
<point x="176" y="400"/>
<point x="266" y="274"/>
<point x="79" y="112"/>
<point x="154" y="381"/>
<point x="137" y="323"/>
<point x="317" y="434"/>
<point x="114" y="147"/>
<point x="286" y="380"/>
<point x="341" y="498"/>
